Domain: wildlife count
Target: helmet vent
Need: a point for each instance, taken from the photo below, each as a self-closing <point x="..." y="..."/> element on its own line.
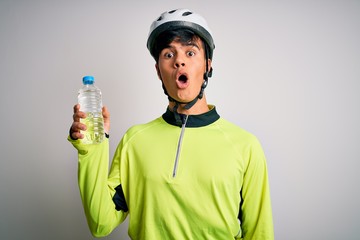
<point x="186" y="13"/>
<point x="172" y="11"/>
<point x="159" y="19"/>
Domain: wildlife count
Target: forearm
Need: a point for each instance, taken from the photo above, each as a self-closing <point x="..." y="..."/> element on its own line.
<point x="257" y="222"/>
<point x="96" y="194"/>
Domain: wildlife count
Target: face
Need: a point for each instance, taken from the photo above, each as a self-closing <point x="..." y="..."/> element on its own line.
<point x="181" y="67"/>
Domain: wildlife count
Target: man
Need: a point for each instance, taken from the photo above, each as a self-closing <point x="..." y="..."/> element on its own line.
<point x="188" y="174"/>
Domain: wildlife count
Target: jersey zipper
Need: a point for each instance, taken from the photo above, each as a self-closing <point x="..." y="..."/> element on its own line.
<point x="179" y="146"/>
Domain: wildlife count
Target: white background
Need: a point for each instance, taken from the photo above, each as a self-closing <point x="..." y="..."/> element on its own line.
<point x="287" y="71"/>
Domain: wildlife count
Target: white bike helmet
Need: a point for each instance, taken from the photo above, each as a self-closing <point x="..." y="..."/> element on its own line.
<point x="181" y="18"/>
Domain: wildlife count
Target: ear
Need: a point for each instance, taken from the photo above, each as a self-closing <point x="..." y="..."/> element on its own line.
<point x="210" y="69"/>
<point x="209" y="65"/>
<point x="158" y="71"/>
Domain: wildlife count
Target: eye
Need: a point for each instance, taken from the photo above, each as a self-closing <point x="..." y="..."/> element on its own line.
<point x="190" y="53"/>
<point x="169" y="55"/>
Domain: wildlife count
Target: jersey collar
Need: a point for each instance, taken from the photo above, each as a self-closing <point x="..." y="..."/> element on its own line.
<point x="193" y="121"/>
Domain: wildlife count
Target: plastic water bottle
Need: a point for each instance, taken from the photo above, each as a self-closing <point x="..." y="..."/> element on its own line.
<point x="89" y="98"/>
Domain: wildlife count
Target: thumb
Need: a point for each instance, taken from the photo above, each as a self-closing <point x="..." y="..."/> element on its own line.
<point x="106" y="116"/>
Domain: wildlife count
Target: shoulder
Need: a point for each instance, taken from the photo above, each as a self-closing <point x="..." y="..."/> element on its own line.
<point x="244" y="142"/>
<point x="140" y="129"/>
<point x="241" y="139"/>
<point x="234" y="131"/>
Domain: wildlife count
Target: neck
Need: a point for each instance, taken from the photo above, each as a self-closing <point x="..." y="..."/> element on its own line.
<point x="199" y="107"/>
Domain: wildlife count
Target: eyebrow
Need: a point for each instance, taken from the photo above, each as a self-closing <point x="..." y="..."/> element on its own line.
<point x="190" y="43"/>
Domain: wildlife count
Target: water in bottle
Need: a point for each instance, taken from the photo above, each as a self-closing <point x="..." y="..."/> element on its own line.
<point x="89" y="98"/>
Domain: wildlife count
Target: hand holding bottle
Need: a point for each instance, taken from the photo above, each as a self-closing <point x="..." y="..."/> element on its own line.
<point x="77" y="126"/>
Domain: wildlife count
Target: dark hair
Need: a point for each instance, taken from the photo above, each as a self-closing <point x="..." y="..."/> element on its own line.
<point x="183" y="36"/>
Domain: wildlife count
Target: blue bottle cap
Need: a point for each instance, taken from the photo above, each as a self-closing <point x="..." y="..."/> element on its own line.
<point x="88" y="80"/>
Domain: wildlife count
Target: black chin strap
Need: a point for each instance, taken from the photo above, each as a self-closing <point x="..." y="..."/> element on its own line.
<point x="188" y="104"/>
<point x="191" y="103"/>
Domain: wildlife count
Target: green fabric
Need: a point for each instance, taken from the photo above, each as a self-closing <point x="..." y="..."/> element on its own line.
<point x="216" y="163"/>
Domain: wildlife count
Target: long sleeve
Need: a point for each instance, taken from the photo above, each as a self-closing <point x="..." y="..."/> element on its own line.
<point x="256" y="213"/>
<point x="96" y="189"/>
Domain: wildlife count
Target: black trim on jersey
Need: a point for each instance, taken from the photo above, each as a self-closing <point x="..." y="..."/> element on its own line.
<point x="119" y="200"/>
<point x="240" y="206"/>
<point x="193" y="121"/>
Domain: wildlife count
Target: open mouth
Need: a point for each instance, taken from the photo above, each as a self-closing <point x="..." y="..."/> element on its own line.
<point x="182" y="81"/>
<point x="183" y="78"/>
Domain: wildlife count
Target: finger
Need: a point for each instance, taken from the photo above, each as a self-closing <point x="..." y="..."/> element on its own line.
<point x="77" y="115"/>
<point x="78" y="126"/>
<point x="77" y="135"/>
<point x="76" y="107"/>
<point x="75" y="129"/>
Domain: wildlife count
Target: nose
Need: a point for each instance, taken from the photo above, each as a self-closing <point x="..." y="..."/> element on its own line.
<point x="179" y="62"/>
<point x="177" y="65"/>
